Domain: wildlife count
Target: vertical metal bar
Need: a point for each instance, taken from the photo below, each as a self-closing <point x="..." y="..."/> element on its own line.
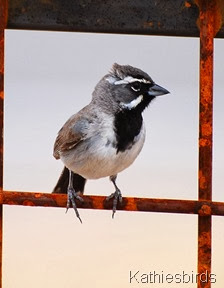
<point x="207" y="30"/>
<point x="3" y="20"/>
<point x="1" y="238"/>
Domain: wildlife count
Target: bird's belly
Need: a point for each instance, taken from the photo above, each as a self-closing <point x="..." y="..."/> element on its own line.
<point x="102" y="160"/>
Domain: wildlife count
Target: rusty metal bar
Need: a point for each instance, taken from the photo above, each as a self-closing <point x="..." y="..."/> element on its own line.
<point x="203" y="208"/>
<point x="171" y="18"/>
<point x="3" y="20"/>
<point x="210" y="21"/>
<point x="1" y="242"/>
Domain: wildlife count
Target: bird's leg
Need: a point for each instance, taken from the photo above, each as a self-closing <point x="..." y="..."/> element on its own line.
<point x="72" y="195"/>
<point x="117" y="196"/>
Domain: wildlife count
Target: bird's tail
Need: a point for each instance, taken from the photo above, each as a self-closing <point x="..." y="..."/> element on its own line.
<point x="62" y="184"/>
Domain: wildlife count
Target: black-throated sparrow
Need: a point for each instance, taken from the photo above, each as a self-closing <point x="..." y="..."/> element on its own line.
<point x="107" y="135"/>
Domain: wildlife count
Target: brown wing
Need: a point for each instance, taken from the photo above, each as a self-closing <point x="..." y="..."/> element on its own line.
<point x="73" y="131"/>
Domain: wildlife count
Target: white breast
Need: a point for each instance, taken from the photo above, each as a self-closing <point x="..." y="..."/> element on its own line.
<point x="97" y="157"/>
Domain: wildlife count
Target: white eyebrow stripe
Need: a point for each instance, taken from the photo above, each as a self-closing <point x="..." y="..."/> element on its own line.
<point x="134" y="103"/>
<point x="129" y="79"/>
<point x="111" y="79"/>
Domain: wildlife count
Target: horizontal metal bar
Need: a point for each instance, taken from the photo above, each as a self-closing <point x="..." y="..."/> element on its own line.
<point x="203" y="208"/>
<point x="172" y="18"/>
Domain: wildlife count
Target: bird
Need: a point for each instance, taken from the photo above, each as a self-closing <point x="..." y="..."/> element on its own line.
<point x="105" y="137"/>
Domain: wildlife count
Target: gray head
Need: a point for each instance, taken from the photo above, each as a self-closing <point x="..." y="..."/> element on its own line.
<point x="126" y="87"/>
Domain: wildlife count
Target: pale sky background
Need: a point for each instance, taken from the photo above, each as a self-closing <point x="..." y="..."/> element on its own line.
<point x="49" y="77"/>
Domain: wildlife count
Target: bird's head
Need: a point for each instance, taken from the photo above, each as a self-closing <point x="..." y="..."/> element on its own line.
<point x="127" y="88"/>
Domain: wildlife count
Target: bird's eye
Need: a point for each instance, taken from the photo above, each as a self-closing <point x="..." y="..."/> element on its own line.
<point x="136" y="86"/>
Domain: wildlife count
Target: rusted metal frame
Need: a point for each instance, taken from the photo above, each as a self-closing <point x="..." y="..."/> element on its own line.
<point x="207" y="14"/>
<point x="3" y="20"/>
<point x="210" y="20"/>
<point x="203" y="208"/>
<point x="171" y="18"/>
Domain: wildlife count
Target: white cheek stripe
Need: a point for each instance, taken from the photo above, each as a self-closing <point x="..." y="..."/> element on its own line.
<point x="134" y="103"/>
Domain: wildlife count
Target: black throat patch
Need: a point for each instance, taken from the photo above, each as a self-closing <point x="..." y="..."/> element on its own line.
<point x="127" y="125"/>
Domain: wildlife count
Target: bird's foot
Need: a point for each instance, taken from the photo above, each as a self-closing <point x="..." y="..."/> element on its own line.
<point x="72" y="195"/>
<point x="117" y="197"/>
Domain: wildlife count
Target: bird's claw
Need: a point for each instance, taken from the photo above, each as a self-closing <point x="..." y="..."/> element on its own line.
<point x="117" y="197"/>
<point x="72" y="195"/>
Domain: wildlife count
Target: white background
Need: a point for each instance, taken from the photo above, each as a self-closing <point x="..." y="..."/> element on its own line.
<point x="49" y="77"/>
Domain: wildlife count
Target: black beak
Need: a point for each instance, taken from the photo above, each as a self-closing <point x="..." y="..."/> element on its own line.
<point x="156" y="90"/>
